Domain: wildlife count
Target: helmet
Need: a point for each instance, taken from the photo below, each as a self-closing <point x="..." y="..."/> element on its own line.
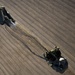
<point x="61" y="59"/>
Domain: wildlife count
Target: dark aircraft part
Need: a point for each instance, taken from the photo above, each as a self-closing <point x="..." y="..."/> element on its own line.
<point x="5" y="17"/>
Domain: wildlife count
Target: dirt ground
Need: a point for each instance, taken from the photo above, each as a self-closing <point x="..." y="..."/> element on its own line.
<point x="41" y="25"/>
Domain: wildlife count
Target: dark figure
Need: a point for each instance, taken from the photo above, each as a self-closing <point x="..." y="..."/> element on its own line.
<point x="57" y="52"/>
<point x="58" y="62"/>
<point x="1" y="16"/>
<point x="53" y="55"/>
<point x="4" y="16"/>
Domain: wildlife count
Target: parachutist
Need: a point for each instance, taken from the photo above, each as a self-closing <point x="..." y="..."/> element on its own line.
<point x="58" y="62"/>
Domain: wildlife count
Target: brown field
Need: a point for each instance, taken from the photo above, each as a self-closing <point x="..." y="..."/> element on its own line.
<point x="41" y="25"/>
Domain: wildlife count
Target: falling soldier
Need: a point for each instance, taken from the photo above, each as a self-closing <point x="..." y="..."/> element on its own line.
<point x="58" y="62"/>
<point x="53" y="55"/>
